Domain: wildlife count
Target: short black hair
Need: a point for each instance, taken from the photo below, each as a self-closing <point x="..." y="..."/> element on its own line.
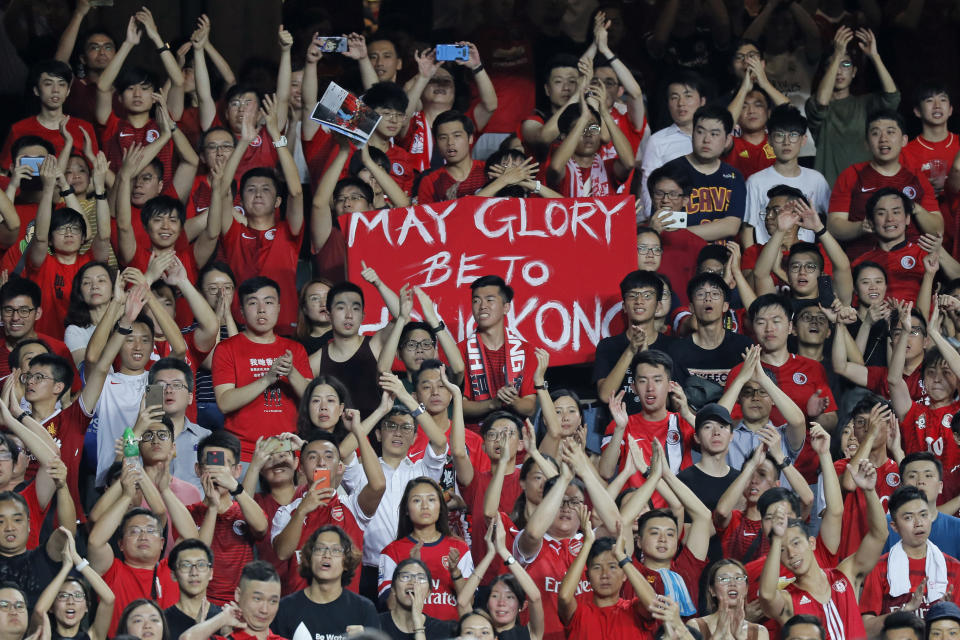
<point x="806" y="247"/>
<point x="223" y="440"/>
<point x="506" y="291"/>
<point x="177" y="364"/>
<point x="64" y="216"/>
<point x="901" y="496"/>
<point x="500" y="155"/>
<point x="802" y="618"/>
<point x="560" y="60"/>
<point x="356" y="165"/>
<point x="386" y="95"/>
<point x="61" y="369"/>
<point x="53" y="68"/>
<point x="921" y="456"/>
<point x="904" y="620"/>
<point x="6" y="438"/>
<point x="673" y="172"/>
<point x="930" y="89"/>
<point x="203" y="136"/>
<point x="786" y="118"/>
<point x="716" y="252"/>
<point x="641" y="279"/>
<point x="31" y="141"/>
<point x="869" y="264"/>
<point x="501" y="414"/>
<point x="138" y="511"/>
<point x="705" y="280"/>
<point x="769" y="300"/>
<point x="162" y="204"/>
<point x="343" y="287"/>
<point x="883" y="192"/>
<point x="19" y="286"/>
<point x="773" y="495"/>
<point x="884" y="114"/>
<point x="135" y="75"/>
<point x="13" y="359"/>
<point x="569" y="116"/>
<point x="259" y="571"/>
<point x="792" y="193"/>
<point x="600" y="545"/>
<point x="452" y="115"/>
<point x="714" y="112"/>
<point x="353" y="181"/>
<point x="263" y="172"/>
<point x="215" y="265"/>
<point x="689" y="79"/>
<point x="654" y="358"/>
<point x="655" y="513"/>
<point x="239" y="90"/>
<point x="426" y="365"/>
<point x="187" y="545"/>
<point x="252" y="285"/>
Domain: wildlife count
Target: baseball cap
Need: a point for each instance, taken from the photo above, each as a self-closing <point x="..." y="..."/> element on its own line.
<point x="943" y="611"/>
<point x="713" y="411"/>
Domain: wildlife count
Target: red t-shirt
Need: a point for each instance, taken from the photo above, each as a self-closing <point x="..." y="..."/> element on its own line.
<point x="928" y="429"/>
<point x="439" y="185"/>
<point x="547" y="570"/>
<point x="876" y="598"/>
<point x="750" y="158"/>
<point x="32" y="127"/>
<point x="419" y="139"/>
<point x="68" y="428"/>
<point x="441" y="602"/>
<point x="673" y="431"/>
<point x="904" y="267"/>
<point x="264" y="545"/>
<point x="129" y="584"/>
<point x="473" y="494"/>
<point x="402" y="166"/>
<point x="840" y="616"/>
<point x="141" y="260"/>
<point x="260" y="152"/>
<point x="749" y="261"/>
<point x="37" y="514"/>
<point x="799" y="377"/>
<point x="877" y="383"/>
<point x="56" y="282"/>
<point x="478" y="457"/>
<point x="119" y="135"/>
<point x="741" y="535"/>
<point x="240" y="361"/>
<point x="854" y="525"/>
<point x="56" y="346"/>
<point x="633" y="133"/>
<point x="232" y="549"/>
<point x="624" y="620"/>
<point x="858" y="182"/>
<point x="920" y="152"/>
<point x="272" y="253"/>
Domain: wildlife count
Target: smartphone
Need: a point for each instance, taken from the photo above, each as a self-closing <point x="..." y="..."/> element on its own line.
<point x="215" y="458"/>
<point x="333" y="44"/>
<point x="153" y="396"/>
<point x="321" y="478"/>
<point x="825" y="291"/>
<point x="283" y="444"/>
<point x="677" y="220"/>
<point x="450" y="52"/>
<point x="33" y="162"/>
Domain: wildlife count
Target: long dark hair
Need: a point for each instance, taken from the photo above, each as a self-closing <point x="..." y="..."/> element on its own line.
<point x="519" y="512"/>
<point x="305" y="324"/>
<point x="304" y="426"/>
<point x="405" y="524"/>
<point x="78" y="311"/>
<point x="125" y="616"/>
<point x="87" y="597"/>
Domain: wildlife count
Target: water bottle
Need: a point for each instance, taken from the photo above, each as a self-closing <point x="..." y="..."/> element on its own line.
<point x="131" y="450"/>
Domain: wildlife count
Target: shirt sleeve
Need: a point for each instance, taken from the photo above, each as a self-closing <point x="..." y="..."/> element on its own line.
<point x="842" y="189"/>
<point x="929" y="199"/>
<point x="388" y="565"/>
<point x="432" y="462"/>
<point x="525" y="560"/>
<point x="738" y="196"/>
<point x="466" y="562"/>
<point x="871" y="600"/>
<point x="753" y="206"/>
<point x="282" y="518"/>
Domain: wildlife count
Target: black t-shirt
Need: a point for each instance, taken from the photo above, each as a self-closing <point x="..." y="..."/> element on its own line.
<point x="312" y="344"/>
<point x="712" y="364"/>
<point x="298" y="613"/>
<point x="32" y="571"/>
<point x="609" y="351"/>
<point x="709" y="489"/>
<point x="518" y="632"/>
<point x="434" y="629"/>
<point x="178" y="621"/>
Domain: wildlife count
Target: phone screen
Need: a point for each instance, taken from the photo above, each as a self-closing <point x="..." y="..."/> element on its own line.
<point x="333" y="44"/>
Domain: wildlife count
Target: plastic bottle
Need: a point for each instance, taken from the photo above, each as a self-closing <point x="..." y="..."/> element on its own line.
<point x="131" y="450"/>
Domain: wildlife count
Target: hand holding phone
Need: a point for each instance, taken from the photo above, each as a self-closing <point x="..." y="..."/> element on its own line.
<point x="33" y="162"/>
<point x="677" y="220"/>
<point x="332" y="44"/>
<point x="452" y="52"/>
<point x="214" y="458"/>
<point x="153" y="396"/>
<point x="321" y="478"/>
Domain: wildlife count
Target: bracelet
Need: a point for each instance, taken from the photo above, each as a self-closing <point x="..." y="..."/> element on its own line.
<point x="437" y="329"/>
<point x="477" y="69"/>
<point x="22" y="416"/>
<point x="165" y="47"/>
<point x="456" y="577"/>
<point x="783" y="465"/>
<point x="100" y="196"/>
<point x="818" y="234"/>
<point x="238" y="490"/>
<point x="83" y="564"/>
<point x="122" y="331"/>
<point x="420" y="630"/>
<point x="67" y="192"/>
<point x="611" y="59"/>
<point x="624" y="562"/>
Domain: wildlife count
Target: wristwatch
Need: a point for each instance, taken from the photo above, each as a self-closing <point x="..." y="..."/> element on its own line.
<point x="437" y="329"/>
<point x="281" y="142"/>
<point x="420" y="410"/>
<point x="542" y="387"/>
<point x="122" y="331"/>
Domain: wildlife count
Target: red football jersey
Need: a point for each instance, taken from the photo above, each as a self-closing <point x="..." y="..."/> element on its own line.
<point x="442" y="600"/>
<point x="876" y="598"/>
<point x="904" y="267"/>
<point x="547" y="570"/>
<point x="799" y="377"/>
<point x="840" y="615"/>
<point x="750" y="158"/>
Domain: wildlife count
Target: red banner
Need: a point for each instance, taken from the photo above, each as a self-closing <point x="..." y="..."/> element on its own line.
<point x="564" y="259"/>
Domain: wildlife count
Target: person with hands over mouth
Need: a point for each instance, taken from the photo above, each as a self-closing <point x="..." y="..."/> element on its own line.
<point x="604" y="614"/>
<point x="727" y="596"/>
<point x="829" y="594"/>
<point x="751" y="152"/>
<point x="258" y="375"/>
<point x="230" y="521"/>
<point x="512" y="174"/>
<point x="510" y="593"/>
<point x="404" y="617"/>
<point x="578" y="168"/>
<point x="250" y="615"/>
<point x="325" y="609"/>
<point x="319" y="502"/>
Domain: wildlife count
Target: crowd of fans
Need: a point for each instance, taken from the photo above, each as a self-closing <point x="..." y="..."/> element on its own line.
<point x="198" y="441"/>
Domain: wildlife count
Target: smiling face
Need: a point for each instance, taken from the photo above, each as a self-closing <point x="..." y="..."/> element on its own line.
<point x="886" y="140"/>
<point x="136" y="348"/>
<point x="640" y="305"/>
<point x="848" y="441"/>
<point x="19" y="316"/>
<point x="164" y="229"/>
<point x="488" y="307"/>
<point x="191" y="578"/>
<point x="871" y="286"/>
<point x="890" y="219"/>
<point x="503" y="604"/>
<point x="70" y="605"/>
<point x="326" y="407"/>
<point x="261" y="309"/>
<point x="796" y="554"/>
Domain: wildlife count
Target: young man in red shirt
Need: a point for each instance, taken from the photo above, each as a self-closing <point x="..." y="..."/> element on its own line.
<point x="20" y="308"/>
<point x="51" y="81"/>
<point x="462" y="175"/>
<point x="500" y="364"/>
<point x="828" y="594"/>
<point x="915" y="573"/>
<point x="847" y="219"/>
<point x="933" y="151"/>
<point x="258" y="376"/>
<point x="803" y="379"/>
<point x="751" y="106"/>
<point x="137" y="89"/>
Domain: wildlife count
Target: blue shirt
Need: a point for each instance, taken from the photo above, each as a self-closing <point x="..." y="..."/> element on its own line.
<point x="944" y="532"/>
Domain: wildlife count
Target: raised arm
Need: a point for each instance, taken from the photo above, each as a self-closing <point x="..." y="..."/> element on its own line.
<point x="145" y="17"/>
<point x="397" y="196"/>
<point x="438" y="439"/>
<point x="126" y="238"/>
<point x="566" y="594"/>
<point x="105" y="83"/>
<point x="831" y="519"/>
<point x="372" y="492"/>
<point x="469" y="589"/>
<point x="603" y="505"/>
<point x="842" y="276"/>
<point x="563" y="153"/>
<point x="99" y="551"/>
<point x="776" y="602"/>
<point x="40" y="245"/>
<point x="698" y="535"/>
<point x="462" y="464"/>
<point x="625" y="156"/>
<point x="357" y="50"/>
<point x="824" y="92"/>
<point x="529" y="541"/>
<point x="899" y="392"/>
<point x="68" y="39"/>
<point x="485" y="89"/>
<point x="611" y="453"/>
<point x="321" y="215"/>
<point x="633" y="95"/>
<point x="389" y="350"/>
<point x="868" y="44"/>
<point x="309" y="89"/>
<point x="855" y="373"/>
<point x="284" y="78"/>
<point x="273" y="116"/>
<point x="731" y="497"/>
<point x="455" y="365"/>
<point x="857" y="566"/>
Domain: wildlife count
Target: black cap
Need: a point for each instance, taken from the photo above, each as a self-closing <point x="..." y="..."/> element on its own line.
<point x="713" y="411"/>
<point x="942" y="611"/>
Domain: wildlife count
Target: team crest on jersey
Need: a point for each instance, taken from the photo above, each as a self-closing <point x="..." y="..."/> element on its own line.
<point x="270" y="234"/>
<point x="910" y="192"/>
<point x="922" y="422"/>
<point x="947" y="420"/>
<point x="799" y="378"/>
<point x="839" y="586"/>
<point x="908" y="262"/>
<point x="893" y="479"/>
<point x="397" y="169"/>
<point x="337" y="513"/>
<point x="673" y="436"/>
<point x="445" y="561"/>
<point x="257" y="141"/>
<point x="240" y="528"/>
<point x="575" y="546"/>
<point x="152" y="134"/>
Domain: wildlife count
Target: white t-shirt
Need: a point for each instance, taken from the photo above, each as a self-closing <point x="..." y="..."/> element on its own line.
<point x="664" y="145"/>
<point x="77" y="337"/>
<point x="117" y="409"/>
<point x="810" y="182"/>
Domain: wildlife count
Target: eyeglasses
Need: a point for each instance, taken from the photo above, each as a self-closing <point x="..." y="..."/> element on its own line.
<point x="423" y="345"/>
<point x="644" y="249"/>
<point x="72" y="229"/>
<point x="199" y="565"/>
<point x="780" y="136"/>
<point x="353" y="197"/>
<point x="76" y="596"/>
<point x="334" y="551"/>
<point x="703" y="296"/>
<point x="412" y="577"/>
<point x="148" y="436"/>
<point x="813" y="318"/>
<point x="136" y="532"/>
<point x="749" y="55"/>
<point x="5" y="455"/>
<point x="23" y="312"/>
<point x="610" y="83"/>
<point x="592" y="130"/>
<point x="6" y="605"/>
<point x="497" y="435"/>
<point x="731" y="579"/>
<point x="571" y="503"/>
<point x="106" y="46"/>
<point x="633" y="296"/>
<point x="915" y="331"/>
<point x="175" y="385"/>
<point x="144" y="177"/>
<point x="806" y="267"/>
<point x="773" y="212"/>
<point x="396" y="116"/>
<point x="240" y="104"/>
<point x="391" y="427"/>
<point x="753" y="392"/>
<point x="671" y="195"/>
<point x="27" y="378"/>
<point x="213" y="148"/>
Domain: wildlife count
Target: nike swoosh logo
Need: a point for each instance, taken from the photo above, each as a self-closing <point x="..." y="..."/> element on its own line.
<point x="865" y="190"/>
<point x="124" y="135"/>
<point x="748" y="535"/>
<point x="243" y="235"/>
<point x="112" y="382"/>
